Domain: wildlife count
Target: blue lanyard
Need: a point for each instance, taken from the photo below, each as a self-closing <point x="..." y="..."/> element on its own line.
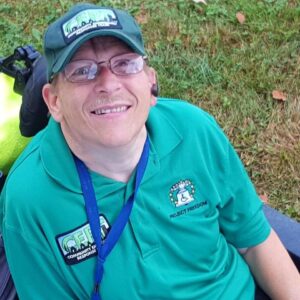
<point x="104" y="248"/>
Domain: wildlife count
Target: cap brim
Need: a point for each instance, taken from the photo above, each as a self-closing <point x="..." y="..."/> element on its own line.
<point x="67" y="53"/>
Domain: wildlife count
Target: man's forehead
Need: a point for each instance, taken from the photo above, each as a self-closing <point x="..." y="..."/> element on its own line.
<point x="104" y="43"/>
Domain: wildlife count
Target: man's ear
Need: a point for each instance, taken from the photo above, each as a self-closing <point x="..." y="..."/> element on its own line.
<point x="52" y="101"/>
<point x="153" y="85"/>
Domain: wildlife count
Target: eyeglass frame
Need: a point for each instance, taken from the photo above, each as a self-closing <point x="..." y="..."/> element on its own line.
<point x="107" y="65"/>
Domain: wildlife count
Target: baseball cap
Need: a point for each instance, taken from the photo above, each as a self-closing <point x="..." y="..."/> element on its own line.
<point x="83" y="22"/>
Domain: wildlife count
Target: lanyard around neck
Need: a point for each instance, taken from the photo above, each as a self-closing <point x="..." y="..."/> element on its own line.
<point x="104" y="248"/>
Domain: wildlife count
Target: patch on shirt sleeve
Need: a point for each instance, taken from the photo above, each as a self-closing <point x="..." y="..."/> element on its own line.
<point x="78" y="244"/>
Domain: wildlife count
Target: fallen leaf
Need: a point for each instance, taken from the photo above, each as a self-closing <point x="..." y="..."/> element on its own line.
<point x="200" y="1"/>
<point x="264" y="198"/>
<point x="241" y="17"/>
<point x="278" y="95"/>
<point x="142" y="18"/>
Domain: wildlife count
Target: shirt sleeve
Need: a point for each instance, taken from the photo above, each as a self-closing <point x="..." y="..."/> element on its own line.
<point x="241" y="218"/>
<point x="34" y="270"/>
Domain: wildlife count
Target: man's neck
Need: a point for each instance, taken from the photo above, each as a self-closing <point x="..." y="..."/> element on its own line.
<point x="116" y="163"/>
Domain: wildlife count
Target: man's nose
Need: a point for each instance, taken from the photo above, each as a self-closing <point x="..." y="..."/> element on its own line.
<point x="106" y="80"/>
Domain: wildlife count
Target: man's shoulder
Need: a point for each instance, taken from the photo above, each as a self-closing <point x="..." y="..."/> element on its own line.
<point x="46" y="161"/>
<point x="29" y="154"/>
<point x="183" y="116"/>
<point x="26" y="169"/>
<point x="179" y="107"/>
<point x="23" y="181"/>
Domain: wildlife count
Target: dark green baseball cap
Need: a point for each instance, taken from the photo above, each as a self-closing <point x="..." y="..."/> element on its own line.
<point x="83" y="22"/>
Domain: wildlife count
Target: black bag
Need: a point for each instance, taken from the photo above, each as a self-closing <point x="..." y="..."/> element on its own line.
<point x="34" y="111"/>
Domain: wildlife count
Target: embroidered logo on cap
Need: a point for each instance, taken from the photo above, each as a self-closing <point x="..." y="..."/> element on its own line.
<point x="89" y="20"/>
<point x="78" y="244"/>
<point x="182" y="193"/>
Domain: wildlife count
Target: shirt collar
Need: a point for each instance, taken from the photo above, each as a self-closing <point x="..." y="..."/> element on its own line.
<point x="57" y="157"/>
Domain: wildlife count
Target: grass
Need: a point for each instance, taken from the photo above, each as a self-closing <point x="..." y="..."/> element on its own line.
<point x="203" y="54"/>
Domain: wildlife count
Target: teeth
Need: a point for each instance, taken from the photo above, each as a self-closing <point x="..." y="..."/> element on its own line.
<point x="110" y="110"/>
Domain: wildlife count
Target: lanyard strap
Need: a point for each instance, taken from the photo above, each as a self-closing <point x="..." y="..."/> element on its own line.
<point x="104" y="248"/>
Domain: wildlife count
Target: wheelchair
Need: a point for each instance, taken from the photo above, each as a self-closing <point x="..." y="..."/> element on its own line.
<point x="29" y="79"/>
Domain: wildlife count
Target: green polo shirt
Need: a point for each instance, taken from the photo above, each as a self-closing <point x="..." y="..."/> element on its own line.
<point x="195" y="206"/>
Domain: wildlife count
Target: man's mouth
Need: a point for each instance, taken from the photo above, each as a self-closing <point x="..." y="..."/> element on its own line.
<point x="111" y="110"/>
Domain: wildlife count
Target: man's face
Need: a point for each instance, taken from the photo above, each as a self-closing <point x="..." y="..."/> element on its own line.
<point x="110" y="110"/>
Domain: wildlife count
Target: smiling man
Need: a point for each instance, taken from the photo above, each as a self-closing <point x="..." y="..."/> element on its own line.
<point x="125" y="195"/>
<point x="102" y="100"/>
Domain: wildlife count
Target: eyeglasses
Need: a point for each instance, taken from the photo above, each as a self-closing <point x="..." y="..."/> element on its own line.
<point x="85" y="70"/>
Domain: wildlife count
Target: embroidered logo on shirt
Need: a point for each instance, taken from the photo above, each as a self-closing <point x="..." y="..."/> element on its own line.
<point x="182" y="193"/>
<point x="78" y="244"/>
<point x="89" y="20"/>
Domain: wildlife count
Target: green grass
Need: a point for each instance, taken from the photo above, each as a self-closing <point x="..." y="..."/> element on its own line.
<point x="203" y="54"/>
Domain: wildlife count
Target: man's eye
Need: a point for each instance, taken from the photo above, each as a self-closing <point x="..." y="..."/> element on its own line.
<point x="122" y="63"/>
<point x="81" y="71"/>
<point x="126" y="66"/>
